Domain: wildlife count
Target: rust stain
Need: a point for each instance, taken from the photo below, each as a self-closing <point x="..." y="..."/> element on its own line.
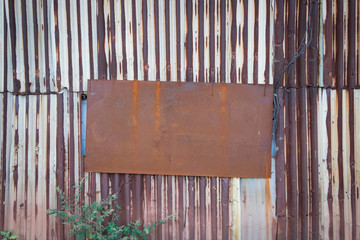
<point x="267" y="169"/>
<point x="135" y="96"/>
<point x="57" y="53"/>
<point x="199" y="135"/>
<point x="157" y="105"/>
<point x="224" y="141"/>
<point x="268" y="206"/>
<point x="223" y="97"/>
<point x="135" y="104"/>
<point x="157" y="136"/>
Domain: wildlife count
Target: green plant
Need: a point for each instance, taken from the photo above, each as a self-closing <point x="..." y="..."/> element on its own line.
<point x="98" y="220"/>
<point x="8" y="235"/>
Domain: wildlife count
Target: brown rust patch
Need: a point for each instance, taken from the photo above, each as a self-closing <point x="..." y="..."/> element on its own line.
<point x="135" y="96"/>
<point x="157" y="105"/>
<point x="196" y="129"/>
<point x="135" y="105"/>
<point x="60" y="155"/>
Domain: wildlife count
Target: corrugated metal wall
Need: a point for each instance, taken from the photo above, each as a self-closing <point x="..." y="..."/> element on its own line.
<point x="48" y="50"/>
<point x="317" y="162"/>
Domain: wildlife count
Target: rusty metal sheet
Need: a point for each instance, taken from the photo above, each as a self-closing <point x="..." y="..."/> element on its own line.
<point x="174" y="128"/>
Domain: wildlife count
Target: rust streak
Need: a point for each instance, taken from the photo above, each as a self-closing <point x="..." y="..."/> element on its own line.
<point x="113" y="63"/>
<point x="46" y="81"/>
<point x="329" y="166"/>
<point x="178" y="45"/>
<point x="157" y="106"/>
<point x="157" y="41"/>
<point x="26" y="157"/>
<point x="25" y="46"/>
<point x="233" y="42"/>
<point x="314" y="163"/>
<point x="90" y="42"/>
<point x="223" y="42"/>
<point x="256" y="43"/>
<point x="14" y="164"/>
<point x="167" y="47"/>
<point x="4" y="137"/>
<point x="124" y="65"/>
<point x="268" y="207"/>
<point x="81" y="79"/>
<point x="60" y="156"/>
<point x="268" y="44"/>
<point x="189" y="42"/>
<point x="303" y="160"/>
<point x="292" y="196"/>
<point x="352" y="160"/>
<point x="47" y="165"/>
<point x="212" y="41"/>
<point x="202" y="77"/>
<point x="290" y="43"/>
<point x="69" y="47"/>
<point x="145" y="40"/>
<point x="341" y="195"/>
<point x="102" y="63"/>
<point x="135" y="33"/>
<point x="244" y="76"/>
<point x="225" y="207"/>
<point x="36" y="46"/>
<point x="135" y="96"/>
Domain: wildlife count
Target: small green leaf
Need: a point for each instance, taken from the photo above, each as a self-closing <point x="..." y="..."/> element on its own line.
<point x="13" y="236"/>
<point x="87" y="221"/>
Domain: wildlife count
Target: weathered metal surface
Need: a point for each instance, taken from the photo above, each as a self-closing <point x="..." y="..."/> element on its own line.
<point x="201" y="202"/>
<point x="214" y="207"/>
<point x="49" y="46"/>
<point x="193" y="129"/>
<point x="316" y="130"/>
<point x="40" y="53"/>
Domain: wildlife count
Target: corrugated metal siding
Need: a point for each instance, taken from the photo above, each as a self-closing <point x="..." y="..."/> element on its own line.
<point x="317" y="175"/>
<point x="54" y="45"/>
<point x="48" y="50"/>
<point x="41" y="144"/>
<point x="317" y="170"/>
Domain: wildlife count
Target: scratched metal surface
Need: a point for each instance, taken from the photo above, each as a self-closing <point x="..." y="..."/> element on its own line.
<point x="48" y="50"/>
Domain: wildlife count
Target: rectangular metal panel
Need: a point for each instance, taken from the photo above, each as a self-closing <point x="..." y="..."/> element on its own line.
<point x="178" y="128"/>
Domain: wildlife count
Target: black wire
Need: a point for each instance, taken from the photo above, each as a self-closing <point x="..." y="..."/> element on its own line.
<point x="301" y="49"/>
<point x="279" y="93"/>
